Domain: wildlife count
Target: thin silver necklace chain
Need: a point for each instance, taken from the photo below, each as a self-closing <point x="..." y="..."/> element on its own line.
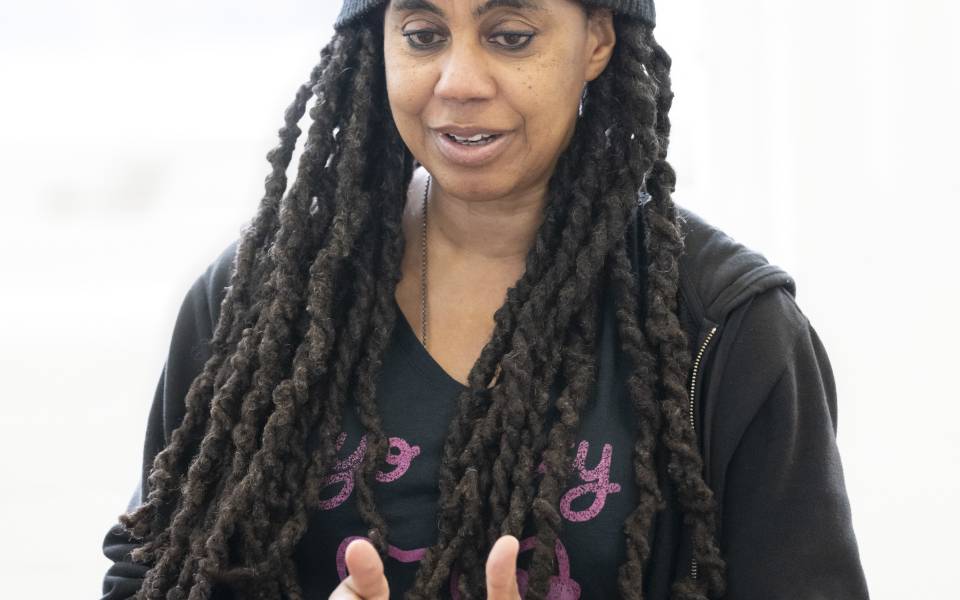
<point x="423" y="278"/>
<point x="423" y="267"/>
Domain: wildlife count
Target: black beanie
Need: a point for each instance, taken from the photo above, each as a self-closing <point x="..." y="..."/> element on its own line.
<point x="354" y="9"/>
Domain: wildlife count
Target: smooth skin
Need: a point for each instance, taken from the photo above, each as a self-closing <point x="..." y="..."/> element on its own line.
<point x="507" y="65"/>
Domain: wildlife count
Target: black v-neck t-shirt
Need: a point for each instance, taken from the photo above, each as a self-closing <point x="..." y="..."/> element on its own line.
<point x="417" y="400"/>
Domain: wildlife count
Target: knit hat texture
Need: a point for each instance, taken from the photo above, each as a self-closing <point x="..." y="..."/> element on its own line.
<point x="353" y="10"/>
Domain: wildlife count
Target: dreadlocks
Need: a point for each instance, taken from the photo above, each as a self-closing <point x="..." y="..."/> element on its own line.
<point x="309" y="312"/>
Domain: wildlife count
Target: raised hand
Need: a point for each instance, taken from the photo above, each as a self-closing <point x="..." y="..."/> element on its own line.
<point x="502" y="569"/>
<point x="366" y="580"/>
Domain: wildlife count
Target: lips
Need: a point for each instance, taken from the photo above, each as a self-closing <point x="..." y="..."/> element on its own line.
<point x="480" y="138"/>
<point x="470" y="154"/>
<point x="469" y="130"/>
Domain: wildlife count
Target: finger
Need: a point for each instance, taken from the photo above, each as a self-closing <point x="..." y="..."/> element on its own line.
<point x="502" y="569"/>
<point x="343" y="592"/>
<point x="366" y="580"/>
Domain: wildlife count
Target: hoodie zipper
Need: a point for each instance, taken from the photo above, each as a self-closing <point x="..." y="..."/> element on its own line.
<point x="693" y="392"/>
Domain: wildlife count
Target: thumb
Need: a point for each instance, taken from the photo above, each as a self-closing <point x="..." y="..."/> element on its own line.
<point x="502" y="569"/>
<point x="366" y="578"/>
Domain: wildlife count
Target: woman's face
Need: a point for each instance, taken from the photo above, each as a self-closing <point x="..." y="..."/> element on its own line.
<point x="512" y="68"/>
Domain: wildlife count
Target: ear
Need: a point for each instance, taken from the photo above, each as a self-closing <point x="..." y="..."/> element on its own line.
<point x="601" y="38"/>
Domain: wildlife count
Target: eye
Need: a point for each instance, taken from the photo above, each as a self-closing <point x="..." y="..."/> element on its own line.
<point x="515" y="40"/>
<point x="420" y="39"/>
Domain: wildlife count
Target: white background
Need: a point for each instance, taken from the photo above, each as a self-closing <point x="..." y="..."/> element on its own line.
<point x="132" y="149"/>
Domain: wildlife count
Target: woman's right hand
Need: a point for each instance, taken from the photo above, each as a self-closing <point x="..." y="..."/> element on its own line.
<point x="367" y="581"/>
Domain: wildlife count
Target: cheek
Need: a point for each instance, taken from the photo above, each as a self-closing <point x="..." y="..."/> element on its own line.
<point x="407" y="94"/>
<point x="550" y="100"/>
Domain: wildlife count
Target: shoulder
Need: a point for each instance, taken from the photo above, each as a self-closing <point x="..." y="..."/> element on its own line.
<point x="718" y="273"/>
<point x="765" y="357"/>
<point x="751" y="302"/>
<point x="210" y="288"/>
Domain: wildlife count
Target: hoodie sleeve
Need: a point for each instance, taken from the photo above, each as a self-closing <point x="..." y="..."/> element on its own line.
<point x="786" y="527"/>
<point x="187" y="354"/>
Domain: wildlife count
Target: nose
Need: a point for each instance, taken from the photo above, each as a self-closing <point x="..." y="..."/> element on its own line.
<point x="465" y="73"/>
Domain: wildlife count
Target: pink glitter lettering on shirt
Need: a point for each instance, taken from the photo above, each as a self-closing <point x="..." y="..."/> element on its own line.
<point x="597" y="483"/>
<point x="400" y="454"/>
<point x="398" y="554"/>
<point x="401" y="459"/>
<point x="562" y="586"/>
<point x="343" y="474"/>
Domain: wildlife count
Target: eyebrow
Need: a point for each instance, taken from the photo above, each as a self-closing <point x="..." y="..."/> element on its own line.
<point x="532" y="5"/>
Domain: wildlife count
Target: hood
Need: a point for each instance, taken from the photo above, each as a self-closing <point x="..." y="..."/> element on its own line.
<point x="717" y="273"/>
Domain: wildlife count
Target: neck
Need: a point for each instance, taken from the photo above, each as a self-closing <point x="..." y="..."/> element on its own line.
<point x="494" y="230"/>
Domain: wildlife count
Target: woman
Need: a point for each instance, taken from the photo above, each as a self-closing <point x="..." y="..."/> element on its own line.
<point x="597" y="395"/>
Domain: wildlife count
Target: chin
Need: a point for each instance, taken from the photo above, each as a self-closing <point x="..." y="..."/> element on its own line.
<point x="474" y="187"/>
<point x="496" y="180"/>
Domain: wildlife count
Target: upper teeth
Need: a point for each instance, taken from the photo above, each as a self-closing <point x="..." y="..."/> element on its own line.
<point x="475" y="138"/>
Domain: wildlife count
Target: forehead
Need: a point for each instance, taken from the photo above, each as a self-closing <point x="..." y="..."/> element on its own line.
<point x="479" y="10"/>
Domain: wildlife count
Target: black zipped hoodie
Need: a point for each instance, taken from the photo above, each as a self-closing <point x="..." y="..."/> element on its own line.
<point x="764" y="409"/>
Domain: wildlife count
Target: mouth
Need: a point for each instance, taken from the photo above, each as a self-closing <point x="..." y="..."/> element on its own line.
<point x="479" y="139"/>
<point x="473" y="150"/>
